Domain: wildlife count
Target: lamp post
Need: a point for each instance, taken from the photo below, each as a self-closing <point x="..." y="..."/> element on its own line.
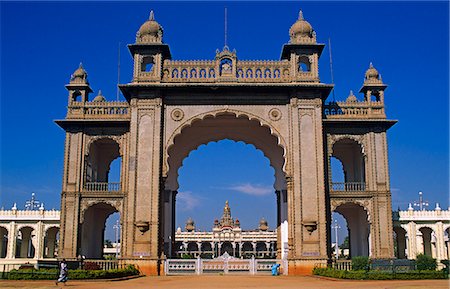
<point x="116" y="228"/>
<point x="421" y="203"/>
<point x="336" y="226"/>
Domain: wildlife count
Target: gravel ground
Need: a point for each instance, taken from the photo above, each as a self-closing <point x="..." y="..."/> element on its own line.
<point x="233" y="282"/>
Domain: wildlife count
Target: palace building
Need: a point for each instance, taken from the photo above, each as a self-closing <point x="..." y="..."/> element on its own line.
<point x="173" y="106"/>
<point x="227" y="236"/>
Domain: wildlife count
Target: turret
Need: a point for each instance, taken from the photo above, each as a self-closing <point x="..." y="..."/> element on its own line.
<point x="78" y="86"/>
<point x="303" y="51"/>
<point x="149" y="51"/>
<point x="373" y="85"/>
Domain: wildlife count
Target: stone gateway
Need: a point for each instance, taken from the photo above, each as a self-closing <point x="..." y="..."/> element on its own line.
<point x="174" y="106"/>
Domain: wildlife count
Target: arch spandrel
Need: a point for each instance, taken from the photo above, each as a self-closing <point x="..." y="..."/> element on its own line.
<point x="267" y="131"/>
<point x="365" y="204"/>
<point x="359" y="139"/>
<point x="115" y="203"/>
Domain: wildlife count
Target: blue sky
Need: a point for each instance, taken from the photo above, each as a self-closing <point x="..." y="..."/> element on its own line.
<point x="43" y="43"/>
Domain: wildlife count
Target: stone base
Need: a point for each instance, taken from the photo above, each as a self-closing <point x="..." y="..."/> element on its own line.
<point x="304" y="267"/>
<point x="147" y="267"/>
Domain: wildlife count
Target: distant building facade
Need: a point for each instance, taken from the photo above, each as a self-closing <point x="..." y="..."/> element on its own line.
<point x="227" y="236"/>
<point x="422" y="232"/>
<point x="29" y="234"/>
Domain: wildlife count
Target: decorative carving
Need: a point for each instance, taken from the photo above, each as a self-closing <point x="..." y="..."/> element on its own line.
<point x="86" y="203"/>
<point x="275" y="114"/>
<point x="177" y="114"/>
<point x="143" y="226"/>
<point x="310" y="226"/>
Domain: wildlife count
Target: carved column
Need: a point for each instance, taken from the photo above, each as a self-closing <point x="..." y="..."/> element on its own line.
<point x="12" y="238"/>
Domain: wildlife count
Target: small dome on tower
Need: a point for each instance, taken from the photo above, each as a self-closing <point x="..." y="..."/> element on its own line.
<point x="301" y="30"/>
<point x="372" y="73"/>
<point x="263" y="226"/>
<point x="190" y="225"/>
<point x="150" y="31"/>
<point x="79" y="75"/>
<point x="99" y="97"/>
<point x="351" y="97"/>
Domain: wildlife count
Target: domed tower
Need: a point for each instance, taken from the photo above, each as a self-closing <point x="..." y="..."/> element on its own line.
<point x="190" y="226"/>
<point x="99" y="97"/>
<point x="373" y="85"/>
<point x="263" y="226"/>
<point x="303" y="51"/>
<point x="149" y="51"/>
<point x="78" y="86"/>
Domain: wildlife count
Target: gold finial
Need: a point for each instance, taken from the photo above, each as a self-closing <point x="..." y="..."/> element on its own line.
<point x="371" y="65"/>
<point x="300" y="15"/>
<point x="152" y="16"/>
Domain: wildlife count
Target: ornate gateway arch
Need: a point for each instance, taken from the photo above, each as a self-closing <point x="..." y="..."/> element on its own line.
<point x="174" y="106"/>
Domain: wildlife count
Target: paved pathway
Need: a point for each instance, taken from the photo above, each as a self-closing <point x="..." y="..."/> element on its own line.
<point x="232" y="282"/>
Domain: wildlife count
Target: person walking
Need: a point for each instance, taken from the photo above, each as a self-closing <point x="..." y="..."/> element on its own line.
<point x="63" y="272"/>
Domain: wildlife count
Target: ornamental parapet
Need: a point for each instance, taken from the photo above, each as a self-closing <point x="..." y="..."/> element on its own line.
<point x="423" y="215"/>
<point x="8" y="215"/>
<point x="354" y="110"/>
<point x="247" y="71"/>
<point x="98" y="110"/>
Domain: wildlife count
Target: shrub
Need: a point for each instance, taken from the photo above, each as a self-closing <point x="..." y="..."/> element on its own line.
<point x="49" y="274"/>
<point x="379" y="275"/>
<point x="360" y="263"/>
<point x="424" y="262"/>
<point x="446" y="264"/>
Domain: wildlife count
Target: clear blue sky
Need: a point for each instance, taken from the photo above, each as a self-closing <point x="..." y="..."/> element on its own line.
<point x="43" y="43"/>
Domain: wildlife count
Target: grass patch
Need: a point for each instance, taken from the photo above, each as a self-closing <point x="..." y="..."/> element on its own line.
<point x="379" y="275"/>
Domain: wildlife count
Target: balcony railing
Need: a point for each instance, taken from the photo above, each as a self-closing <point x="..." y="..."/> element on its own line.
<point x="348" y="187"/>
<point x="102" y="187"/>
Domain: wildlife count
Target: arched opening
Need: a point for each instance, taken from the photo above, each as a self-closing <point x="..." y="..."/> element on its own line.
<point x="226" y="66"/>
<point x="25" y="247"/>
<point x="3" y="242"/>
<point x="93" y="230"/>
<point x="51" y="242"/>
<point x="339" y="237"/>
<point x="400" y="242"/>
<point x="76" y="96"/>
<point x="427" y="241"/>
<point x="103" y="166"/>
<point x="358" y="228"/>
<point x="208" y="138"/>
<point x="261" y="250"/>
<point x="247" y="250"/>
<point x="192" y="249"/>
<point x="147" y="64"/>
<point x="207" y="250"/>
<point x="351" y="156"/>
<point x="111" y="243"/>
<point x="304" y="65"/>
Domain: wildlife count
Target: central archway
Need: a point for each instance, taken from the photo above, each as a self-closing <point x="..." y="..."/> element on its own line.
<point x="213" y="127"/>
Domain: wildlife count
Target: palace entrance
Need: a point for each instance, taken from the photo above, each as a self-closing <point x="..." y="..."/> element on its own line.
<point x="173" y="106"/>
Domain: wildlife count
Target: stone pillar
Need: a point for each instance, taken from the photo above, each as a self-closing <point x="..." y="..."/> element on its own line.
<point x="267" y="248"/>
<point x="219" y="247"/>
<point x="440" y="244"/>
<point x="199" y="248"/>
<point x="240" y="244"/>
<point x="254" y="248"/>
<point x="39" y="240"/>
<point x="412" y="240"/>
<point x="213" y="249"/>
<point x="12" y="239"/>
<point x="234" y="248"/>
<point x="279" y="205"/>
<point x="173" y="211"/>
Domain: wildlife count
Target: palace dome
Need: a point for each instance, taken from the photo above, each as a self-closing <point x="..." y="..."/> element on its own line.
<point x="372" y="73"/>
<point x="150" y="31"/>
<point x="99" y="97"/>
<point x="301" y="26"/>
<point x="351" y="97"/>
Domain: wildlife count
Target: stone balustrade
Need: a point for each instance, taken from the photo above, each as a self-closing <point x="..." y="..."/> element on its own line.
<point x="102" y="187"/>
<point x="357" y="110"/>
<point x="271" y="71"/>
<point x="30" y="214"/>
<point x="98" y="110"/>
<point x="348" y="186"/>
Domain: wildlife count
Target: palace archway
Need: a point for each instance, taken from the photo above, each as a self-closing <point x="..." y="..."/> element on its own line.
<point x="172" y="107"/>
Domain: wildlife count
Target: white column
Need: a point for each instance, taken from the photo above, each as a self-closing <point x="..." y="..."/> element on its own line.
<point x="412" y="240"/>
<point x="39" y="240"/>
<point x="12" y="233"/>
<point x="440" y="245"/>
